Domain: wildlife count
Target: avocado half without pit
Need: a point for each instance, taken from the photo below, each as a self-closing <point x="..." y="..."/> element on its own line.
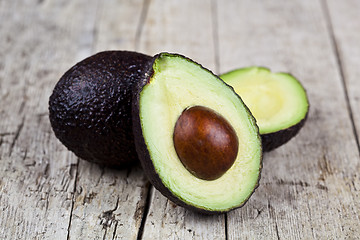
<point x="277" y="101"/>
<point x="196" y="140"/>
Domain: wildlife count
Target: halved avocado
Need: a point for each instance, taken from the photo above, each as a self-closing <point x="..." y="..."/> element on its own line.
<point x="184" y="115"/>
<point x="277" y="101"/>
<point x="90" y="107"/>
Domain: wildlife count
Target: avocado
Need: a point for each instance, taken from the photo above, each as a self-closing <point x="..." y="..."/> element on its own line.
<point x="197" y="142"/>
<point x="90" y="107"/>
<point x="278" y="102"/>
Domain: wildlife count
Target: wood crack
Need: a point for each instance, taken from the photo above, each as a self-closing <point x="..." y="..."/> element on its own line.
<point x="104" y="236"/>
<point x="277" y="230"/>
<point x="145" y="213"/>
<point x="273" y="216"/>
<point x="325" y="167"/>
<point x="336" y="50"/>
<point x="310" y="219"/>
<point x="108" y="217"/>
<point x="17" y="134"/>
<point x="95" y="30"/>
<point x="73" y="167"/>
<point x="22" y="105"/>
<point x="143" y="15"/>
<point x="6" y="134"/>
<point x="258" y="212"/>
<point x="47" y="201"/>
<point x="354" y="185"/>
<point x="340" y="65"/>
<point x="215" y="33"/>
<point x="114" y="232"/>
<point x="292" y="183"/>
<point x="101" y="175"/>
<point x="226" y="226"/>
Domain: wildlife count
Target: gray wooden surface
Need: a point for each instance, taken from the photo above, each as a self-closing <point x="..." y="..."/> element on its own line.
<point x="310" y="187"/>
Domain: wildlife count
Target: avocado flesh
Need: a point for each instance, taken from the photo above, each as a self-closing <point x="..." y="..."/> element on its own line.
<point x="277" y="101"/>
<point x="176" y="84"/>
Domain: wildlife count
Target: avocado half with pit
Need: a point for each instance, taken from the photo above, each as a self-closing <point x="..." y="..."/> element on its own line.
<point x="196" y="140"/>
<point x="90" y="107"/>
<point x="278" y="102"/>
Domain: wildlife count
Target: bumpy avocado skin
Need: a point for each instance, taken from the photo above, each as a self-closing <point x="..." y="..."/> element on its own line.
<point x="90" y="107"/>
<point x="143" y="152"/>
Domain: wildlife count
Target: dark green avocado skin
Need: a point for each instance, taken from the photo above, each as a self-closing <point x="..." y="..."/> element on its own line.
<point x="90" y="107"/>
<point x="270" y="141"/>
<point x="143" y="152"/>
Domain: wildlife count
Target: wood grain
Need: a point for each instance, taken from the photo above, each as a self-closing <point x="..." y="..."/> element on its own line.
<point x="166" y="32"/>
<point x="38" y="173"/>
<point x="310" y="187"/>
<point x="344" y="23"/>
<point x="306" y="187"/>
<point x="108" y="203"/>
<point x="180" y="27"/>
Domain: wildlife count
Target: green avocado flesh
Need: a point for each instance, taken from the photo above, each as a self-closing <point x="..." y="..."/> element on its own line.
<point x="276" y="100"/>
<point x="178" y="83"/>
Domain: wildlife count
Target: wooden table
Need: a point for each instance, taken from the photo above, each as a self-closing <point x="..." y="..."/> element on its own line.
<point x="310" y="187"/>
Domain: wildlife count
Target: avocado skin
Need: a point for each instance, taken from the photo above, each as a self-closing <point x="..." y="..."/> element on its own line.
<point x="144" y="155"/>
<point x="90" y="107"/>
<point x="270" y="141"/>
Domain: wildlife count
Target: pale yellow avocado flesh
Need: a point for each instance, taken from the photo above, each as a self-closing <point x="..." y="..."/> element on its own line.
<point x="276" y="100"/>
<point x="177" y="84"/>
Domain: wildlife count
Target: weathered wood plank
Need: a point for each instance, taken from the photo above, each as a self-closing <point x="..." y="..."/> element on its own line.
<point x="184" y="27"/>
<point x="38" y="39"/>
<point x="307" y="187"/>
<point x="119" y="24"/>
<point x="345" y="23"/>
<point x="109" y="203"/>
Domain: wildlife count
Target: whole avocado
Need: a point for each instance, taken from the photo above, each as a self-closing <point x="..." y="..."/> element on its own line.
<point x="90" y="107"/>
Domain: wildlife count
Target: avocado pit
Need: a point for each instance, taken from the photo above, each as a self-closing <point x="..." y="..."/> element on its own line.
<point x="205" y="142"/>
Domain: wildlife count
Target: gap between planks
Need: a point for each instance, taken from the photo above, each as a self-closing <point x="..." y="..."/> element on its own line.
<point x="336" y="51"/>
